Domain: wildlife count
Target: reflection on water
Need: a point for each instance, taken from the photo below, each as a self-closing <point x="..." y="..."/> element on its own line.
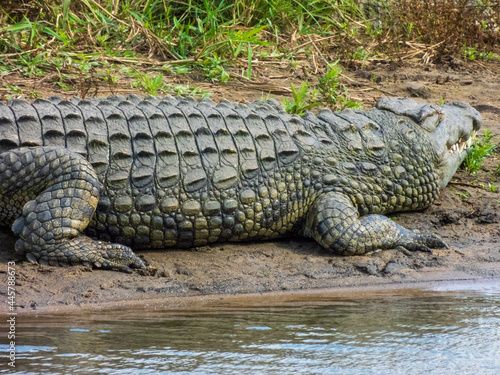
<point x="388" y="333"/>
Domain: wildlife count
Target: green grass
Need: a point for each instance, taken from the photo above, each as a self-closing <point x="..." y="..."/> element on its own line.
<point x="302" y="99"/>
<point x="149" y="84"/>
<point x="333" y="91"/>
<point x="482" y="149"/>
<point x="492" y="188"/>
<point x="84" y="41"/>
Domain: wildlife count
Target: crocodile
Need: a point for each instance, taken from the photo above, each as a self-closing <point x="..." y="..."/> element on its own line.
<point x="87" y="181"/>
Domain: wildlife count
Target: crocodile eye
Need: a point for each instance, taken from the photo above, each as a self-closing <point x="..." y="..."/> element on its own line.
<point x="428" y="116"/>
<point x="430" y="122"/>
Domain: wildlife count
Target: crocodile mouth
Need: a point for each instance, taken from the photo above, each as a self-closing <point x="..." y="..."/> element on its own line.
<point x="463" y="144"/>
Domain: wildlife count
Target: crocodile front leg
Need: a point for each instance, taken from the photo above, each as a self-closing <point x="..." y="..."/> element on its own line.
<point x="334" y="222"/>
<point x="50" y="195"/>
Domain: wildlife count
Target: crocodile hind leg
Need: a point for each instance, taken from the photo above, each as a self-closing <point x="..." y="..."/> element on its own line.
<point x="334" y="222"/>
<point x="53" y="194"/>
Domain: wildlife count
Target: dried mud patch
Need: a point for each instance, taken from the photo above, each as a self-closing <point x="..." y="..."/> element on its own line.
<point x="466" y="216"/>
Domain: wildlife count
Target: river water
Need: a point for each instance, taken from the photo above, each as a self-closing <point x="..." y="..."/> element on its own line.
<point x="453" y="330"/>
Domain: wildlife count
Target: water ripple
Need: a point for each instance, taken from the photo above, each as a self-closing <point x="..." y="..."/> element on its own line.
<point x="439" y="333"/>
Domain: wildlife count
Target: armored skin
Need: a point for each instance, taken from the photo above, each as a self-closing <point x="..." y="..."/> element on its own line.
<point x="84" y="181"/>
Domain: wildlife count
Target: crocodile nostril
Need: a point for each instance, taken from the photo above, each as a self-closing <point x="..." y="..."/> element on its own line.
<point x="476" y="124"/>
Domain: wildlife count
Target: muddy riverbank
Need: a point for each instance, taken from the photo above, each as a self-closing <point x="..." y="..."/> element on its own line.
<point x="466" y="216"/>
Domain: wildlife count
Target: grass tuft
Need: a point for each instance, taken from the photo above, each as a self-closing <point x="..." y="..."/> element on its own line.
<point x="482" y="149"/>
<point x="303" y="100"/>
<point x="56" y="40"/>
<point x="335" y="93"/>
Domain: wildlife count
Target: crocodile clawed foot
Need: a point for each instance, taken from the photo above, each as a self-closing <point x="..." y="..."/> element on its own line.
<point x="439" y="243"/>
<point x="410" y="253"/>
<point x="418" y="241"/>
<point x="117" y="257"/>
<point x="404" y="250"/>
<point x="85" y="251"/>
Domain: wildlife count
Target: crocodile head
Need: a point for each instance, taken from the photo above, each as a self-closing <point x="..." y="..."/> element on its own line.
<point x="451" y="127"/>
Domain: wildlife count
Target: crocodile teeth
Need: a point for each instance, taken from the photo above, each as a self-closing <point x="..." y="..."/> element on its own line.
<point x="473" y="135"/>
<point x="463" y="144"/>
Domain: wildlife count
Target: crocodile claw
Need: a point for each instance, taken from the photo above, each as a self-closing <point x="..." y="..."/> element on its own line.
<point x="117" y="257"/>
<point x="425" y="242"/>
<point x="83" y="250"/>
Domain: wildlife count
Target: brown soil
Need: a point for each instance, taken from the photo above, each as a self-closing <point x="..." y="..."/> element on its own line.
<point x="466" y="216"/>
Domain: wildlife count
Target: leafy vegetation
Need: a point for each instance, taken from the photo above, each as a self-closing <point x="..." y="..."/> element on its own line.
<point x="482" y="149"/>
<point x="464" y="195"/>
<point x="303" y="100"/>
<point x="83" y="46"/>
<point x="492" y="188"/>
<point x="471" y="53"/>
<point x="149" y="84"/>
<point x="335" y="93"/>
<point x="214" y="69"/>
